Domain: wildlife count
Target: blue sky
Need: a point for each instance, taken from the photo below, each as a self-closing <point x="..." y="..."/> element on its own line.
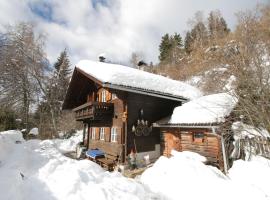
<point x="114" y="27"/>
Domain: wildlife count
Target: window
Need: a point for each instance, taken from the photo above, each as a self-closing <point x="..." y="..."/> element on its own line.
<point x="93" y="133"/>
<point x="103" y="96"/>
<point x="113" y="134"/>
<point x="102" y="133"/>
<point x="198" y="137"/>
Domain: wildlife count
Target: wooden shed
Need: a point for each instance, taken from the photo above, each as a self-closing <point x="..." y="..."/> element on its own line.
<point x="201" y="126"/>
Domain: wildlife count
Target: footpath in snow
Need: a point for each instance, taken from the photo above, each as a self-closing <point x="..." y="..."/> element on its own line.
<point x="35" y="169"/>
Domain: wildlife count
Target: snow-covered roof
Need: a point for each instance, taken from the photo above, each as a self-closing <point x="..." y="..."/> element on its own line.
<point x="242" y="130"/>
<point x="126" y="77"/>
<point x="210" y="109"/>
<point x="33" y="131"/>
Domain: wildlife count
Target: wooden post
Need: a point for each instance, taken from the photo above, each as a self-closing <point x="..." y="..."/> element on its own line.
<point x="125" y="132"/>
<point x="88" y="130"/>
<point x="223" y="151"/>
<point x="84" y="127"/>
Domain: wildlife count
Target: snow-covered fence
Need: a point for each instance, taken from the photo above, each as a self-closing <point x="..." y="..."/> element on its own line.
<point x="257" y="145"/>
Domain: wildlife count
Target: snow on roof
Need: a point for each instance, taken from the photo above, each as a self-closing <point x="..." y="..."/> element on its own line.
<point x="129" y="77"/>
<point x="33" y="131"/>
<point x="207" y="109"/>
<point x="242" y="130"/>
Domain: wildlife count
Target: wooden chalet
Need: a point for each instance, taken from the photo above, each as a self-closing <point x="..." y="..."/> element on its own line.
<point x="201" y="126"/>
<point x="117" y="106"/>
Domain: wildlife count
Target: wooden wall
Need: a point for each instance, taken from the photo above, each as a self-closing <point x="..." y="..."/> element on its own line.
<point x="207" y="144"/>
<point x="109" y="147"/>
<point x="154" y="109"/>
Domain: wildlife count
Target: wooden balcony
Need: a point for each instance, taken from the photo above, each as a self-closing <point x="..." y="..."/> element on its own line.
<point x="94" y="111"/>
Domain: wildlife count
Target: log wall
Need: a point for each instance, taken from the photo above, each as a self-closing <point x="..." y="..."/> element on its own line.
<point x="200" y="141"/>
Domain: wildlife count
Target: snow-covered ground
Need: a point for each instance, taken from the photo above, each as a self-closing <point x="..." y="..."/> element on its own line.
<point x="37" y="169"/>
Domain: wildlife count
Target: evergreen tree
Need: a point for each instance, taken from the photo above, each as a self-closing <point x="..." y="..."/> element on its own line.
<point x="56" y="88"/>
<point x="177" y="40"/>
<point x="170" y="48"/>
<point x="188" y="43"/>
<point x="164" y="47"/>
<point x="223" y="25"/>
<point x="61" y="75"/>
<point x="176" y="51"/>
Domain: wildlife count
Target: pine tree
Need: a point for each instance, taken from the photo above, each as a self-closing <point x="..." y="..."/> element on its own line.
<point x="188" y="43"/>
<point x="55" y="92"/>
<point x="176" y="51"/>
<point x="223" y="25"/>
<point x="62" y="75"/>
<point x="177" y="40"/>
<point x="164" y="47"/>
<point x="170" y="48"/>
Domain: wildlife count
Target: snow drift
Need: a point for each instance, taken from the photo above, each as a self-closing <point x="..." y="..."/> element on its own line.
<point x="184" y="176"/>
<point x="35" y="169"/>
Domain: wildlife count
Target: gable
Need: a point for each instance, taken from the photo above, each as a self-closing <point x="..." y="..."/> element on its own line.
<point x="89" y="76"/>
<point x="134" y="80"/>
<point x="79" y="88"/>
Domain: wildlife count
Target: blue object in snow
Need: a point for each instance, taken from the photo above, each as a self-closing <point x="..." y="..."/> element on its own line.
<point x="94" y="153"/>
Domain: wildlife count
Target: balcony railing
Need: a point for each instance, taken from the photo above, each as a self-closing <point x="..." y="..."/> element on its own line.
<point x="94" y="111"/>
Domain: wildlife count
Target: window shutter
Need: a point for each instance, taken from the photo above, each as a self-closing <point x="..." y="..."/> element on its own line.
<point x="107" y="134"/>
<point x="118" y="130"/>
<point x="93" y="135"/>
<point x="97" y="133"/>
<point x="108" y="96"/>
<point x="90" y="133"/>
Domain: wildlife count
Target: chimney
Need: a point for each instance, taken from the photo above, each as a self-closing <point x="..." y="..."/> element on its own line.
<point x="102" y="57"/>
<point x="141" y="64"/>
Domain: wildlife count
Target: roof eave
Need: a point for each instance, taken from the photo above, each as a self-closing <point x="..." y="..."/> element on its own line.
<point x="193" y="125"/>
<point x="146" y="92"/>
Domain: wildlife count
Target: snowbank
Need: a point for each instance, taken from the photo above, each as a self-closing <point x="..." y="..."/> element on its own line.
<point x="125" y="76"/>
<point x="36" y="169"/>
<point x="68" y="145"/>
<point x="207" y="109"/>
<point x="184" y="176"/>
<point x="8" y="140"/>
<point x="255" y="173"/>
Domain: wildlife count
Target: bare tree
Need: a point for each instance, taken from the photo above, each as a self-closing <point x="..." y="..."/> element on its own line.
<point x="23" y="61"/>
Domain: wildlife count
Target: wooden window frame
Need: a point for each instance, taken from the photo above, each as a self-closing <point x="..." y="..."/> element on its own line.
<point x="114" y="134"/>
<point x="102" y="133"/>
<point x="200" y="138"/>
